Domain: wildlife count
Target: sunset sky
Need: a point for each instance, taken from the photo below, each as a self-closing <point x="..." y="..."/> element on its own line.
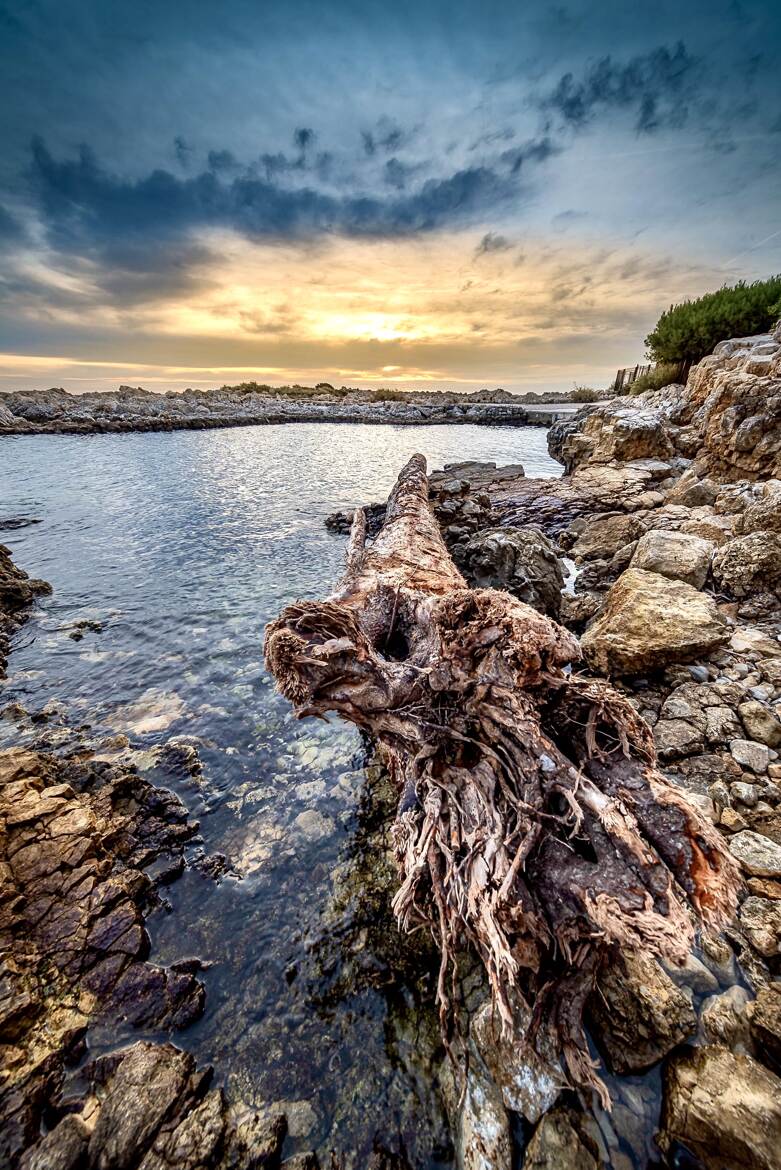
<point x="425" y="194"/>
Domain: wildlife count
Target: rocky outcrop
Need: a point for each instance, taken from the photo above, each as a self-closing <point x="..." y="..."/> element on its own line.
<point x="727" y="419"/>
<point x="150" y="1108"/>
<point x="18" y="593"/>
<point x="134" y="409"/>
<point x="649" y="621"/>
<point x="76" y="842"/>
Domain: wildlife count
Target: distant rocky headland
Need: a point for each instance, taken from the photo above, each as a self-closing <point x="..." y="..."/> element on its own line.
<point x="129" y="408"/>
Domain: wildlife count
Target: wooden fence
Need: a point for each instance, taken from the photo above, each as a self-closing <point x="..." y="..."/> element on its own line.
<point x="678" y="372"/>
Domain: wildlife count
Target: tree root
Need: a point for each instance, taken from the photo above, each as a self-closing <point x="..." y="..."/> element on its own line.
<point x="533" y="825"/>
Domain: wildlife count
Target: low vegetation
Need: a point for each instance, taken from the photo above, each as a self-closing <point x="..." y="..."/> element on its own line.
<point x="657" y="377"/>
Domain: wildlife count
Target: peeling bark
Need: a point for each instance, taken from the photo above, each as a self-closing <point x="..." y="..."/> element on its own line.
<point x="532" y="824"/>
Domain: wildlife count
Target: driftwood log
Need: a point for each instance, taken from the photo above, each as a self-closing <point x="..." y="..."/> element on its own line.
<point x="533" y="825"/>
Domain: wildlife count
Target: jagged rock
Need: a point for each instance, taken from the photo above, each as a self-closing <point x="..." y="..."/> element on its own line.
<point x="529" y="1083"/>
<point x="758" y="855"/>
<point x="18" y="593"/>
<point x="675" y="738"/>
<point x="557" y="1145"/>
<point x="62" y="1148"/>
<point x="760" y="723"/>
<point x="70" y="833"/>
<point x="761" y="922"/>
<point x="692" y="492"/>
<point x="678" y="555"/>
<point x="766" y="1023"/>
<point x="749" y="564"/>
<point x="725" y="1019"/>
<point x="639" y="1013"/>
<point x="614" y="433"/>
<point x="725" y="1108"/>
<point x="521" y="560"/>
<point x="763" y="514"/>
<point x="605" y="535"/>
<point x="147" y="1086"/>
<point x="649" y="621"/>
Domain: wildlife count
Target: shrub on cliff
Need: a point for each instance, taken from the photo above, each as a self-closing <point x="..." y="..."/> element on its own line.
<point x="584" y="394"/>
<point x="690" y="330"/>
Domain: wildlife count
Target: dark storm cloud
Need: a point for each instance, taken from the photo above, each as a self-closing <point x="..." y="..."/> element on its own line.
<point x="652" y="86"/>
<point x="492" y="242"/>
<point x="85" y="206"/>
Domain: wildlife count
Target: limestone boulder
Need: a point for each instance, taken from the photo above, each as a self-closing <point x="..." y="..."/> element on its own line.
<point x="604" y="535"/>
<point x="557" y="1145"/>
<point x="650" y="621"/>
<point x="757" y="854"/>
<point x="638" y="1013"/>
<point x="677" y="555"/>
<point x="763" y="513"/>
<point x="749" y="564"/>
<point x="723" y="1107"/>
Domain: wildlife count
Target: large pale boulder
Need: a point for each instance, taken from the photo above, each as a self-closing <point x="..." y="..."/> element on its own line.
<point x="724" y="1108"/>
<point x="749" y="564"/>
<point x="649" y="621"/>
<point x="757" y="854"/>
<point x="677" y="555"/>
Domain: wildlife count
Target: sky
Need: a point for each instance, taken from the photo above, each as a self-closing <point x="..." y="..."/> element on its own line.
<point x="420" y="194"/>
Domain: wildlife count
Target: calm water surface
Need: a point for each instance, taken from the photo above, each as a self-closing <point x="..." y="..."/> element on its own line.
<point x="183" y="546"/>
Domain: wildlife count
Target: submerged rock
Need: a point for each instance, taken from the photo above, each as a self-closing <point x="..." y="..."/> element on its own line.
<point x="650" y="621"/>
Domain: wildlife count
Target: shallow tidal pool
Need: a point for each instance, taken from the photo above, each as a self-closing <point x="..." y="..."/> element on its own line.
<point x="180" y="547"/>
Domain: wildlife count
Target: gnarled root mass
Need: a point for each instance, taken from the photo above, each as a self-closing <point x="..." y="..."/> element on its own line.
<point x="532" y="825"/>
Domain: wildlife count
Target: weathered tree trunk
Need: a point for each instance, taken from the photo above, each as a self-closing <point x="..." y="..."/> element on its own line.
<point x="532" y="824"/>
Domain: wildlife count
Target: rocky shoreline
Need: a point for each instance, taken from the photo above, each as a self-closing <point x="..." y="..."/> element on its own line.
<point x="55" y="412"/>
<point x="669" y="512"/>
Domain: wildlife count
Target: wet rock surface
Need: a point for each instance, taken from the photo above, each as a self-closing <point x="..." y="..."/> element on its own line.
<point x="74" y="838"/>
<point x="18" y="593"/>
